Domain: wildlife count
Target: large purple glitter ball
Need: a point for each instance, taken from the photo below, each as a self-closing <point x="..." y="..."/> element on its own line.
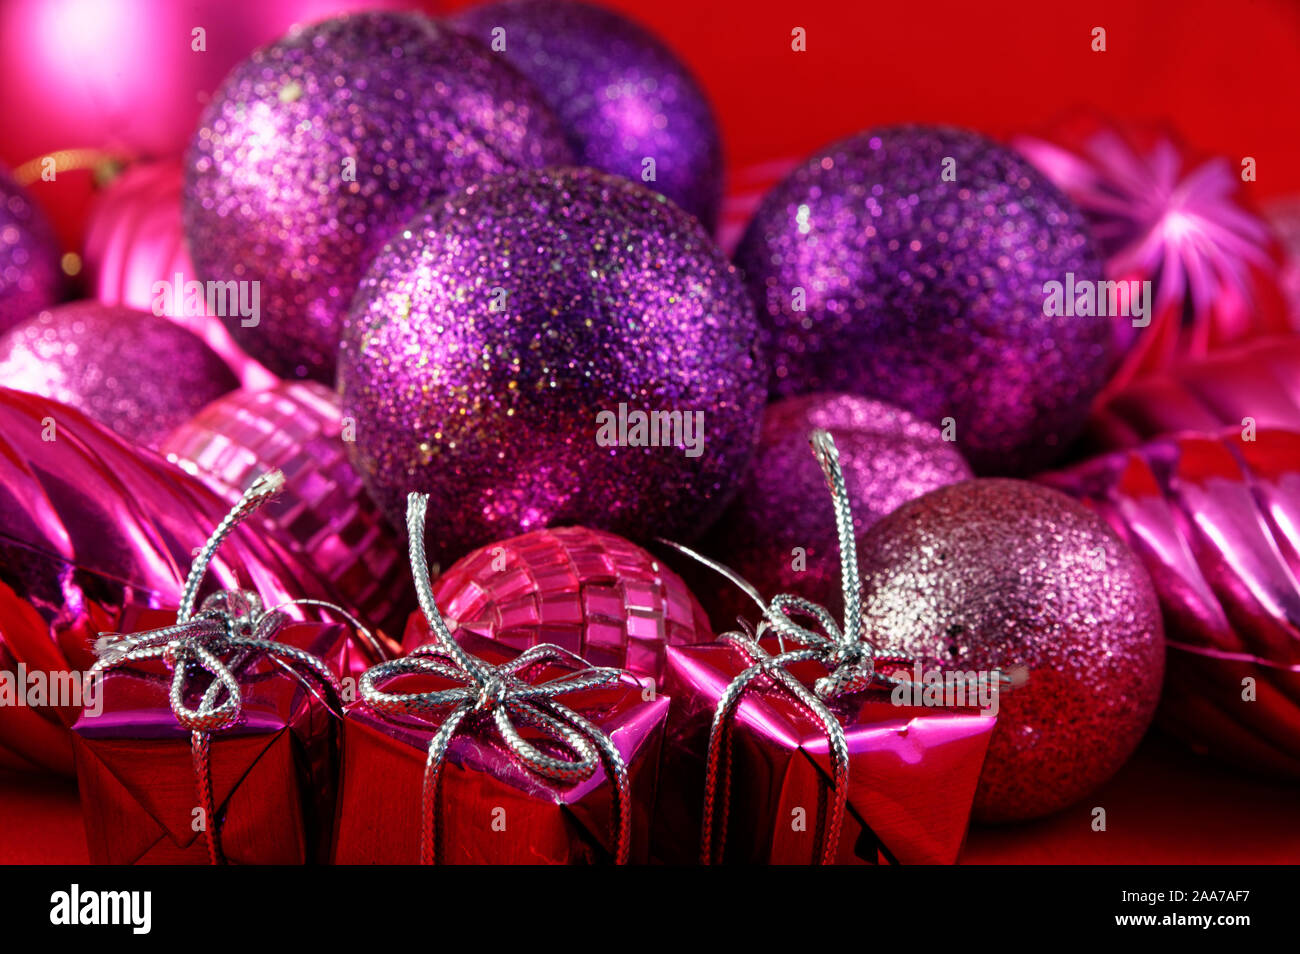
<point x="909" y="263"/>
<point x="1007" y="575"/>
<point x="621" y="95"/>
<point x="556" y="347"/>
<point x="316" y="149"/>
<point x="779" y="533"/>
<point x="137" y="373"/>
<point x="29" y="256"/>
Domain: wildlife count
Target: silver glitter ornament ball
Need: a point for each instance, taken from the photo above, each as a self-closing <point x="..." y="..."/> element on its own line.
<point x="547" y="348"/>
<point x="1008" y="575"/>
<point x="317" y="148"/>
<point x="908" y="263"/>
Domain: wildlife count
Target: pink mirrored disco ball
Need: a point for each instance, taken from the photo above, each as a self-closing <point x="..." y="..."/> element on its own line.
<point x="297" y="428"/>
<point x="588" y="591"/>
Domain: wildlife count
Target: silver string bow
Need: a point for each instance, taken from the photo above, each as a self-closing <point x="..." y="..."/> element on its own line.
<point x="227" y="631"/>
<point x="849" y="656"/>
<point x="503" y="692"/>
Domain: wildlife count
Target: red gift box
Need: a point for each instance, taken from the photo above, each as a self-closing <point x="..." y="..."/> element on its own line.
<point x="493" y="810"/>
<point x="912" y="770"/>
<point x="273" y="773"/>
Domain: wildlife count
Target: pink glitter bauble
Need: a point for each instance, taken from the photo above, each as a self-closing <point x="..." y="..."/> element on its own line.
<point x="296" y="428"/>
<point x="888" y="457"/>
<point x="137" y="373"/>
<point x="1008" y="575"/>
<point x="502" y="348"/>
<point x="134" y="240"/>
<point x="1216" y="520"/>
<point x="588" y="591"/>
<point x="318" y="148"/>
<point x="29" y="256"/>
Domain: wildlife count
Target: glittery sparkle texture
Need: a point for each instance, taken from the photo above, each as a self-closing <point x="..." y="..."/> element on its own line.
<point x="621" y="95"/>
<point x="1002" y="574"/>
<point x="489" y="335"/>
<point x="590" y="592"/>
<point x="929" y="293"/>
<point x="105" y="360"/>
<point x="29" y="256"/>
<point x="416" y="109"/>
<point x="888" y="456"/>
<point x="296" y="428"/>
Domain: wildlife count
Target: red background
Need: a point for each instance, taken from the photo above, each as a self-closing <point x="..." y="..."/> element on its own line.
<point x="1223" y="73"/>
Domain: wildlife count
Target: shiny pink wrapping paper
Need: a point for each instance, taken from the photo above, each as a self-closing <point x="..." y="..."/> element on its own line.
<point x="88" y="525"/>
<point x="274" y="772"/>
<point x="1260" y="380"/>
<point x="492" y="811"/>
<point x="1216" y="520"/>
<point x="134" y="240"/>
<point x="912" y="773"/>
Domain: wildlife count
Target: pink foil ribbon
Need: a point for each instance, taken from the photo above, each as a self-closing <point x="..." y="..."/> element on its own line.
<point x="1259" y="381"/>
<point x="1213" y="263"/>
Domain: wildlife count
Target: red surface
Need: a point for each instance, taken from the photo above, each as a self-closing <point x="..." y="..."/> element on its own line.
<point x="1164" y="807"/>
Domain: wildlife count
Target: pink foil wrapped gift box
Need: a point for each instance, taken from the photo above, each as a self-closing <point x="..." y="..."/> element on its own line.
<point x="785" y="744"/>
<point x="273" y="773"/>
<point x="912" y="771"/>
<point x="212" y="733"/>
<point x="466" y="751"/>
<point x="494" y="811"/>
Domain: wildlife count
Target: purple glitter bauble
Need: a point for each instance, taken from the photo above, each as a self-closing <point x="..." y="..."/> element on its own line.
<point x="1008" y="575"/>
<point x="779" y="532"/>
<point x="316" y="149"/>
<point x="621" y="95"/>
<point x="137" y="373"/>
<point x="504" y="345"/>
<point x="875" y="274"/>
<point x="29" y="256"/>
